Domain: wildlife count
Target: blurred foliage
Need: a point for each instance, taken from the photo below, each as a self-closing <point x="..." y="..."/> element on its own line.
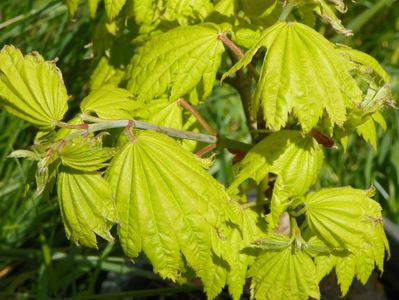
<point x="36" y="260"/>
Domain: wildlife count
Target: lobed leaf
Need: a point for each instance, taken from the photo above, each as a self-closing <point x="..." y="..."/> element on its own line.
<point x="86" y="205"/>
<point x="164" y="219"/>
<point x="177" y="62"/>
<point x="31" y="88"/>
<point x="301" y="73"/>
<point x="86" y="155"/>
<point x="284" y="274"/>
<point x="342" y="217"/>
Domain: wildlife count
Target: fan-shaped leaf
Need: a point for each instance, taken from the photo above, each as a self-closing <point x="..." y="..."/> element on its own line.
<point x="161" y="217"/>
<point x="110" y="102"/>
<point x="86" y="207"/>
<point x="284" y="274"/>
<point x="176" y="62"/>
<point x="31" y="88"/>
<point x="85" y="155"/>
<point x="342" y="217"/>
<point x="303" y="73"/>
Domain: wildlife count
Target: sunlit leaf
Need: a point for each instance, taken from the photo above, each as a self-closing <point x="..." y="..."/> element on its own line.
<point x="87" y="207"/>
<point x="342" y="217"/>
<point x="188" y="59"/>
<point x="284" y="274"/>
<point x="113" y="7"/>
<point x="163" y="218"/>
<point x="85" y="154"/>
<point x="110" y="102"/>
<point x="302" y="73"/>
<point x="294" y="158"/>
<point x="31" y="88"/>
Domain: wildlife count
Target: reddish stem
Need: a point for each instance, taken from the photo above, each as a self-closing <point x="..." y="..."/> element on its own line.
<point x="197" y="116"/>
<point x="206" y="150"/>
<point x="322" y="139"/>
<point x="238" y="53"/>
<point x="128" y="131"/>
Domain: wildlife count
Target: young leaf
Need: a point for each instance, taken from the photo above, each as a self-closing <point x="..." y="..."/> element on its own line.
<point x="110" y="102"/>
<point x="86" y="155"/>
<point x="303" y="73"/>
<point x="163" y="218"/>
<point x="87" y="207"/>
<point x="295" y="159"/>
<point x="284" y="274"/>
<point x="176" y="62"/>
<point x="31" y="88"/>
<point x="342" y="217"/>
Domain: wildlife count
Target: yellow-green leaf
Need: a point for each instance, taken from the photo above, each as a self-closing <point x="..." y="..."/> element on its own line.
<point x="31" y="88"/>
<point x="342" y="217"/>
<point x="302" y="73"/>
<point x="163" y="218"/>
<point x="113" y="7"/>
<point x="284" y="274"/>
<point x="87" y="207"/>
<point x="176" y="63"/>
<point x="110" y="102"/>
<point x="85" y="154"/>
<point x="294" y="158"/>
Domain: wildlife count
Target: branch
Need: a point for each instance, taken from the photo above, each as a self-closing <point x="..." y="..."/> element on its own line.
<point x="102" y="124"/>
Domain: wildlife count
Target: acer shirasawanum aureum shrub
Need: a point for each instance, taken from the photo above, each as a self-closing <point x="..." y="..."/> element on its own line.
<point x="133" y="156"/>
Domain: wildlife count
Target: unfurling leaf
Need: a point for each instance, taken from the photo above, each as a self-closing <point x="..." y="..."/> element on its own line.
<point x="284" y="274"/>
<point x="31" y="88"/>
<point x="294" y="158"/>
<point x="164" y="219"/>
<point x="86" y="155"/>
<point x="110" y="102"/>
<point x="342" y="217"/>
<point x="86" y="205"/>
<point x="176" y="63"/>
<point x="301" y="73"/>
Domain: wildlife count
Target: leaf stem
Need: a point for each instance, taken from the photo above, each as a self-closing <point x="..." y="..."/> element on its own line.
<point x="286" y="11"/>
<point x="197" y="116"/>
<point x="206" y="149"/>
<point x="238" y="53"/>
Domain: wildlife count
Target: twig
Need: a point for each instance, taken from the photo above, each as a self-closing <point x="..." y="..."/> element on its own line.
<point x="206" y="150"/>
<point x="238" y="53"/>
<point x="197" y="116"/>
